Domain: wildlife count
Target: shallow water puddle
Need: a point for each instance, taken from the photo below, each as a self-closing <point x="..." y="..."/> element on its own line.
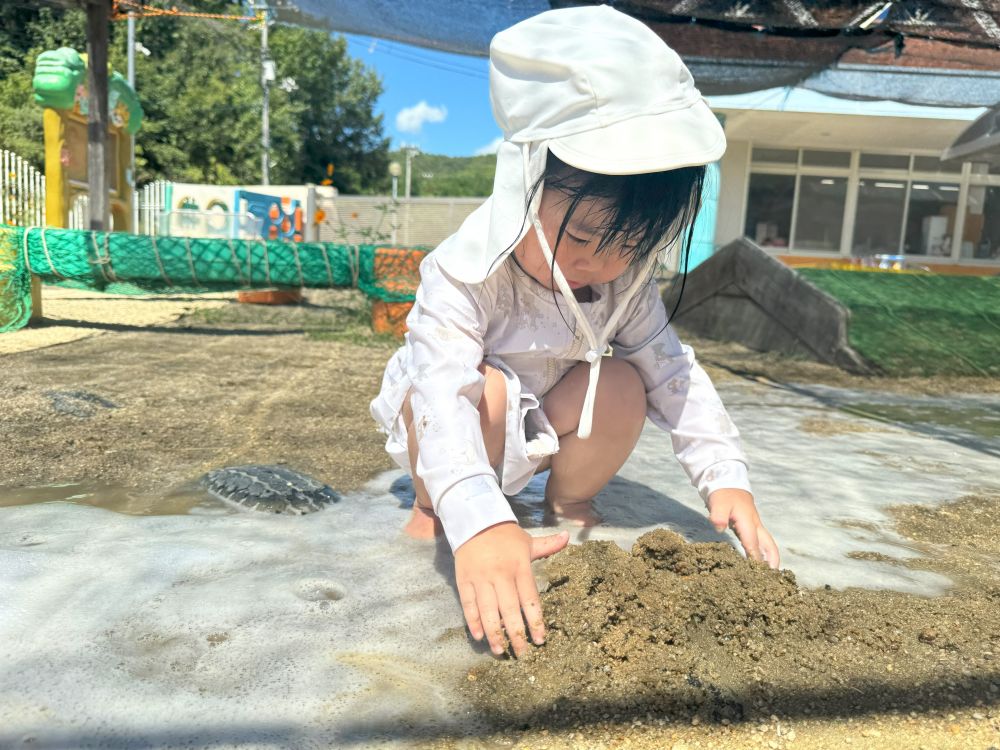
<point x="981" y="420"/>
<point x="220" y="629"/>
<point x="972" y="420"/>
<point x="109" y="497"/>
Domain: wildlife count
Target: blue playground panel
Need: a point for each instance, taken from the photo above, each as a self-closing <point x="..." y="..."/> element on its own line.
<point x="276" y="223"/>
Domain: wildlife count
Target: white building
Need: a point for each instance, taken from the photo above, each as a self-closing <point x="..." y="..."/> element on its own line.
<point x="815" y="180"/>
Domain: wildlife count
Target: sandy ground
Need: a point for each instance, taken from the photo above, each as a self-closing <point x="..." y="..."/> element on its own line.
<point x="147" y="395"/>
<point x="149" y="401"/>
<point x="73" y="314"/>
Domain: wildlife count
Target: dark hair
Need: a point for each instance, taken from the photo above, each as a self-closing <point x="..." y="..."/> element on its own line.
<point x="645" y="213"/>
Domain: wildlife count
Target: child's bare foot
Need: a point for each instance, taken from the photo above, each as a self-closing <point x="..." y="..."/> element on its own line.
<point x="575" y="512"/>
<point x="423" y="523"/>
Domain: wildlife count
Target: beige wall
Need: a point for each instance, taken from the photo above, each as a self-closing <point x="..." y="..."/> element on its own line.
<point x="377" y="219"/>
<point x="733" y="176"/>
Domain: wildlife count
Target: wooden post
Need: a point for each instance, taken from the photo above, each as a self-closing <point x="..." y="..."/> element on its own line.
<point x="98" y="20"/>
<point x="36" y="301"/>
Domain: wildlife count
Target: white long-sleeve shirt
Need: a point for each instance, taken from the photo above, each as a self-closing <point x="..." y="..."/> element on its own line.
<point x="454" y="326"/>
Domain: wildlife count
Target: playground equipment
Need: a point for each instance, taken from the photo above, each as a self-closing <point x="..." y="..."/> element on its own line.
<point x="60" y="87"/>
<point x="121" y="263"/>
<point x="277" y="223"/>
<point x="273" y="212"/>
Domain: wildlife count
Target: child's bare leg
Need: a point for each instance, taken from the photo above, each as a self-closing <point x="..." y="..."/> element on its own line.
<point x="423" y="523"/>
<point x="581" y="468"/>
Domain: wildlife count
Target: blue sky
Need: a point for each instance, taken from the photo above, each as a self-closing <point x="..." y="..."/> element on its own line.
<point x="436" y="101"/>
<point x="440" y="102"/>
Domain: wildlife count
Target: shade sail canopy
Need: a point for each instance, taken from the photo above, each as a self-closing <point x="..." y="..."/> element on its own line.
<point x="936" y="52"/>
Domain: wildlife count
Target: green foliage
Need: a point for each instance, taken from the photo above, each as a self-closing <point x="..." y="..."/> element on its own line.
<point x="200" y="90"/>
<point x="920" y="324"/>
<point x="454" y="176"/>
<point x="24" y="33"/>
<point x="202" y="100"/>
<point x="336" y="124"/>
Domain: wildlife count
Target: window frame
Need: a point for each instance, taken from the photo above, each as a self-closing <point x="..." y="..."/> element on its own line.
<point x="964" y="179"/>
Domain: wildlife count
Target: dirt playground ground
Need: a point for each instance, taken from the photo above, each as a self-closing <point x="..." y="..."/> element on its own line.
<point x="673" y="645"/>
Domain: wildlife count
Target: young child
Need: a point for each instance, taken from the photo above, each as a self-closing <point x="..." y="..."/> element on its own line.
<point x="538" y="339"/>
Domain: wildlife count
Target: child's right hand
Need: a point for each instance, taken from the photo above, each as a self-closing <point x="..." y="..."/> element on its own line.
<point x="495" y="584"/>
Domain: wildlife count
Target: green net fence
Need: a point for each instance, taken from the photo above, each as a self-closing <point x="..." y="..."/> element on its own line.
<point x="121" y="263"/>
<point x="920" y="324"/>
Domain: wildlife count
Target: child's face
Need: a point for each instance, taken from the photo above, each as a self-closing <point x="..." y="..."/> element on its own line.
<point x="577" y="252"/>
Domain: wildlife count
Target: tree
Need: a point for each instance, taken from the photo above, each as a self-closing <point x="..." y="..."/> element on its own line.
<point x="24" y="32"/>
<point x="438" y="175"/>
<point x="201" y="94"/>
<point x="200" y="90"/>
<point x="337" y="124"/>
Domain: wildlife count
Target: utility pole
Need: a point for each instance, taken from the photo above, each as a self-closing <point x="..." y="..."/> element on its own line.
<point x="410" y="153"/>
<point x="394" y="170"/>
<point x="131" y="138"/>
<point x="267" y="74"/>
<point x="98" y="19"/>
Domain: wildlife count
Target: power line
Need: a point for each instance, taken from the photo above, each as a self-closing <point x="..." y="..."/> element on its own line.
<point x="399" y="54"/>
<point x="409" y="56"/>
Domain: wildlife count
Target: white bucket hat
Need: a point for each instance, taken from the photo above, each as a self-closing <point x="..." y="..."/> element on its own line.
<point x="605" y="94"/>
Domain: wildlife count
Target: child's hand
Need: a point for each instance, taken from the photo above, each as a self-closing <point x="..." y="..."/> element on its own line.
<point x="735" y="508"/>
<point x="495" y="584"/>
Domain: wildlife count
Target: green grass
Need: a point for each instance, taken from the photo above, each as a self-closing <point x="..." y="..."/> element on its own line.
<point x="920" y="324"/>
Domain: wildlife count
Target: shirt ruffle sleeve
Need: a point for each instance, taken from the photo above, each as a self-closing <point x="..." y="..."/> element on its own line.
<point x="680" y="397"/>
<point x="444" y="349"/>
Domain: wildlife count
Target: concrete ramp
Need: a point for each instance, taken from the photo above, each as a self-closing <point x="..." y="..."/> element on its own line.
<point x="742" y="294"/>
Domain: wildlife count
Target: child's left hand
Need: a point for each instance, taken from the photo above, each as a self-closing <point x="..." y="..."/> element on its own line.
<point x="735" y="508"/>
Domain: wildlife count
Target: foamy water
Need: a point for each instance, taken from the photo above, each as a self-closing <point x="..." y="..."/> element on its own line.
<point x="220" y="629"/>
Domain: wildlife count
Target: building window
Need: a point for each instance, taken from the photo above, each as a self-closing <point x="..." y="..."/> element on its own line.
<point x="783" y="156"/>
<point x="878" y="225"/>
<point x="980" y="168"/>
<point x="797" y="200"/>
<point x="885" y="161"/>
<point x="934" y="164"/>
<point x="930" y="218"/>
<point x="841" y="159"/>
<point x="769" y="209"/>
<point x="820" y="216"/>
<point x="981" y="235"/>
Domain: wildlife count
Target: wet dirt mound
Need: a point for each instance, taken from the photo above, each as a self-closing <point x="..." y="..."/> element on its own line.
<point x="677" y="630"/>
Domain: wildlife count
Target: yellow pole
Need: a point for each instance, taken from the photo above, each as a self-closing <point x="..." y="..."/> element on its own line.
<point x="56" y="182"/>
<point x="56" y="190"/>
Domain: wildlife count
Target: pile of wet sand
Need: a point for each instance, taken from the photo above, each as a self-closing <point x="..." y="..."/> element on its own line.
<point x="694" y="632"/>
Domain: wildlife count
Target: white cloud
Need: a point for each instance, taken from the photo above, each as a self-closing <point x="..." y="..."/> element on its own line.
<point x="491" y="147"/>
<point x="411" y="119"/>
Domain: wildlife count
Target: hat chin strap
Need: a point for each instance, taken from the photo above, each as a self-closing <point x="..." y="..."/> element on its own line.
<point x="599" y="346"/>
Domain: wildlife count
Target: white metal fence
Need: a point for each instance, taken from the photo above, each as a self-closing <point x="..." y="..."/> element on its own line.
<point x="152" y="200"/>
<point x="22" y="191"/>
<point x="79" y="212"/>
